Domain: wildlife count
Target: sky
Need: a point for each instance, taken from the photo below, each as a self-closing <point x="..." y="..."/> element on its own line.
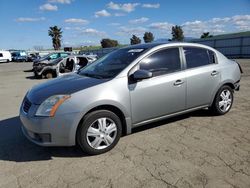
<point x="25" y="23"/>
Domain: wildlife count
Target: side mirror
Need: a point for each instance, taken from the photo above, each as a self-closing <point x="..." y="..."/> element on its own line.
<point x="49" y="58"/>
<point x="141" y="75"/>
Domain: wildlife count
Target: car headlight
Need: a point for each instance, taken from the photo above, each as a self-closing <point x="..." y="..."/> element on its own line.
<point x="49" y="106"/>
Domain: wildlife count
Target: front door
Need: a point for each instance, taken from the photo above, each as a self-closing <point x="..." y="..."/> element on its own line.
<point x="165" y="92"/>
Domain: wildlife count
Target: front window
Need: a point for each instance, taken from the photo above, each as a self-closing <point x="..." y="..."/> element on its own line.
<point x="162" y="62"/>
<point x="112" y="64"/>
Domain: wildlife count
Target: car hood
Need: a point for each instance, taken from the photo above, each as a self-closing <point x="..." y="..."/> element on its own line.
<point x="67" y="84"/>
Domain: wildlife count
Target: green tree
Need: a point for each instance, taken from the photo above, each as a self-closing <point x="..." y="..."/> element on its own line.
<point x="206" y="35"/>
<point x="56" y="34"/>
<point x="135" y="40"/>
<point x="148" y="37"/>
<point x="109" y="43"/>
<point x="177" y="33"/>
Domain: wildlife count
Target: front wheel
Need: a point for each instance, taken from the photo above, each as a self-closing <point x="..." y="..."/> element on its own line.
<point x="223" y="100"/>
<point x="99" y="132"/>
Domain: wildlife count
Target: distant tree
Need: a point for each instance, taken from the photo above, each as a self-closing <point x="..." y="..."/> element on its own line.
<point x="109" y="43"/>
<point x="177" y="33"/>
<point x="148" y="37"/>
<point x="56" y="34"/>
<point x="135" y="40"/>
<point x="206" y="35"/>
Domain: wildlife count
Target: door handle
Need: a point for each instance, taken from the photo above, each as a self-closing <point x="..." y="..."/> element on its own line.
<point x="214" y="73"/>
<point x="178" y="82"/>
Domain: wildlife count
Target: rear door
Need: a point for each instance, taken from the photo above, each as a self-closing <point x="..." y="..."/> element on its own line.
<point x="202" y="74"/>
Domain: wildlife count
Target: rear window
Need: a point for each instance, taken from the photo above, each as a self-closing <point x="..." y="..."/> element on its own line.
<point x="196" y="57"/>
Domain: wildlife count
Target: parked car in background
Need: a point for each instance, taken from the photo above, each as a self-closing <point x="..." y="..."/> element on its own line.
<point x="5" y="56"/>
<point x="19" y="56"/>
<point x="50" y="57"/>
<point x="127" y="88"/>
<point x="61" y="66"/>
<point x="33" y="57"/>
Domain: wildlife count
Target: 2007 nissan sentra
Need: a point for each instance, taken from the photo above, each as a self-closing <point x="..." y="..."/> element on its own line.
<point x="128" y="88"/>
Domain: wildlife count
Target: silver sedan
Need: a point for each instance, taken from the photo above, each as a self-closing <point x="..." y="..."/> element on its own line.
<point x="127" y="88"/>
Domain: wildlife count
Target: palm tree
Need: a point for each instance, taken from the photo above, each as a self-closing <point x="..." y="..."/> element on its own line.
<point x="206" y="35"/>
<point x="56" y="34"/>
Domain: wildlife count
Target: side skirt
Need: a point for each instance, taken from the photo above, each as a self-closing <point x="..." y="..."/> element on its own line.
<point x="168" y="116"/>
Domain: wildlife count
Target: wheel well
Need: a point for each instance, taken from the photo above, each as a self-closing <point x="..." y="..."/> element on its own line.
<point x="230" y="85"/>
<point x="116" y="111"/>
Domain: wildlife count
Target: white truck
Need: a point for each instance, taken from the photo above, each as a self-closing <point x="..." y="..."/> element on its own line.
<point x="5" y="56"/>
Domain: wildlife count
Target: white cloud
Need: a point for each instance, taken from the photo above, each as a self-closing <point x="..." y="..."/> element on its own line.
<point x="93" y="32"/>
<point x="157" y="5"/>
<point x="102" y="13"/>
<point x="127" y="31"/>
<point x="220" y="20"/>
<point x="76" y="21"/>
<point x="23" y="19"/>
<point x="74" y="28"/>
<point x="161" y="26"/>
<point x="48" y="7"/>
<point x="217" y="25"/>
<point x="61" y="1"/>
<point x="139" y="20"/>
<point x="241" y="22"/>
<point x="126" y="7"/>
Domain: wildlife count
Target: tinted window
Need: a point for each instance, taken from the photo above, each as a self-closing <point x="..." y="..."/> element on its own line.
<point x="212" y="58"/>
<point x="64" y="55"/>
<point x="162" y="62"/>
<point x="54" y="56"/>
<point x="1" y="55"/>
<point x="196" y="57"/>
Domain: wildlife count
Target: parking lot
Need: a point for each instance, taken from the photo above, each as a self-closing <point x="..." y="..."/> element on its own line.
<point x="193" y="150"/>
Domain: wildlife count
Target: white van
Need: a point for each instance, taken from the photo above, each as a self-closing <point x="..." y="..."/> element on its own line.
<point x="5" y="56"/>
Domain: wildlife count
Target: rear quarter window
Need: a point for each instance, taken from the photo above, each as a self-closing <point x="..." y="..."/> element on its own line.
<point x="1" y="55"/>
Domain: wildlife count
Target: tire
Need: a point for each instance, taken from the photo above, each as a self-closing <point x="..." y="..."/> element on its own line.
<point x="93" y="138"/>
<point x="48" y="75"/>
<point x="36" y="75"/>
<point x="223" y="100"/>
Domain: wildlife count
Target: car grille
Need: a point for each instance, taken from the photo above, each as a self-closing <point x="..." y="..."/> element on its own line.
<point x="26" y="105"/>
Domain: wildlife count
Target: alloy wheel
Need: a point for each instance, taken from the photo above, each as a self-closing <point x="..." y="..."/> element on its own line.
<point x="101" y="133"/>
<point x="225" y="101"/>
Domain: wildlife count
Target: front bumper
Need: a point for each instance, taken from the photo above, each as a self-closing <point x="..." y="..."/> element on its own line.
<point x="59" y="130"/>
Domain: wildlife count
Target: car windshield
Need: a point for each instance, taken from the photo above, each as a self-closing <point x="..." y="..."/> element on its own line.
<point x="44" y="57"/>
<point x="55" y="62"/>
<point x="111" y="64"/>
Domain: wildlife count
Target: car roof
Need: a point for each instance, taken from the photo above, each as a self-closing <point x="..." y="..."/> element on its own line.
<point x="149" y="46"/>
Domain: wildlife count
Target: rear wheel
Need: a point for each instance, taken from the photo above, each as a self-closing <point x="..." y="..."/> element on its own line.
<point x="223" y="100"/>
<point x="99" y="132"/>
<point x="48" y="74"/>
